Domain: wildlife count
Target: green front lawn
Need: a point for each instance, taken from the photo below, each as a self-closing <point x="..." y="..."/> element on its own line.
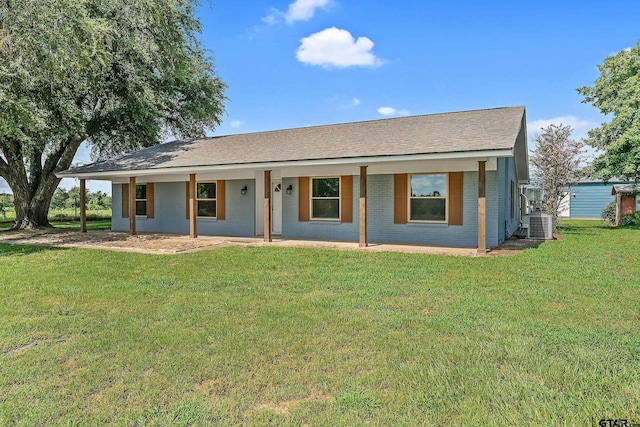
<point x="290" y="336"/>
<point x="95" y="224"/>
<point x="56" y="215"/>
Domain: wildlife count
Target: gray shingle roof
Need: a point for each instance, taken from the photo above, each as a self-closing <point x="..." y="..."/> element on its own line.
<point x="477" y="130"/>
<point x="623" y="189"/>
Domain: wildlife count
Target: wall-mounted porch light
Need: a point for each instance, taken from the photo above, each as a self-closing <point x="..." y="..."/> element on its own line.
<point x="289" y="189"/>
<point x="243" y="191"/>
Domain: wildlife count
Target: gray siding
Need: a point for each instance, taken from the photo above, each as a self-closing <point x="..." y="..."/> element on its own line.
<point x="170" y="211"/>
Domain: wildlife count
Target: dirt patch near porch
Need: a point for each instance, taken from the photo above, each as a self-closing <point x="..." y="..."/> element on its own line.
<point x="158" y="243"/>
<point x="112" y="240"/>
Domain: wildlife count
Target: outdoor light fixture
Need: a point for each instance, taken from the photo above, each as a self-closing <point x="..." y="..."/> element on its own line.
<point x="243" y="191"/>
<point x="289" y="189"/>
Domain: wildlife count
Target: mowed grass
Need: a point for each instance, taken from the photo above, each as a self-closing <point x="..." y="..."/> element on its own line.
<point x="61" y="226"/>
<point x="291" y="336"/>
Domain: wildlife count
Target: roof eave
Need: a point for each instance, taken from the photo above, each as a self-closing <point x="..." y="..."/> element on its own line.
<point x="107" y="174"/>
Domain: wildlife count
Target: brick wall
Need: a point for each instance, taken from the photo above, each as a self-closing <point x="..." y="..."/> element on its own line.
<point x="171" y="217"/>
<point x="317" y="230"/>
<point x="380" y="224"/>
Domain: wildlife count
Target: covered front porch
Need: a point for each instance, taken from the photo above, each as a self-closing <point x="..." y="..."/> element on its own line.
<point x="271" y="202"/>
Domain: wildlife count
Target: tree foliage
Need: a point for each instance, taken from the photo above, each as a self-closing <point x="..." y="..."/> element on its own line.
<point x="556" y="161"/>
<point x="69" y="199"/>
<point x="616" y="92"/>
<point x="118" y="74"/>
<point x="6" y="203"/>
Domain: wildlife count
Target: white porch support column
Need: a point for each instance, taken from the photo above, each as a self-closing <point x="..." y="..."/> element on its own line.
<point x="363" y="207"/>
<point x="132" y="205"/>
<point x="267" y="206"/>
<point x="83" y="205"/>
<point x="193" y="207"/>
<point x="482" y="207"/>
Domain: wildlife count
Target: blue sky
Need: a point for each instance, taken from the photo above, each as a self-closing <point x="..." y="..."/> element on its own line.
<point x="311" y="62"/>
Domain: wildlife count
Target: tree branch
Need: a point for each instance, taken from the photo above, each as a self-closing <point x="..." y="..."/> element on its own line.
<point x="4" y="167"/>
<point x="12" y="163"/>
<point x="62" y="157"/>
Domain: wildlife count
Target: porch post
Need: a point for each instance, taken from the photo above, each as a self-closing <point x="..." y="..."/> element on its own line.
<point x="193" y="207"/>
<point x="363" y="207"/>
<point x="267" y="206"/>
<point x="132" y="205"/>
<point x="482" y="207"/>
<point x="83" y="205"/>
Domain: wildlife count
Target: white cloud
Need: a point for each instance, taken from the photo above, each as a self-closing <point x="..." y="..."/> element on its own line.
<point x="386" y="111"/>
<point x="390" y="111"/>
<point x="270" y="19"/>
<point x="299" y="10"/>
<point x="334" y="47"/>
<point x="344" y="101"/>
<point x="236" y="123"/>
<point x="303" y="10"/>
<point x="576" y="123"/>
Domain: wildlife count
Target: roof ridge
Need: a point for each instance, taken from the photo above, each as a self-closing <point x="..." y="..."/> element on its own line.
<point x="360" y="122"/>
<point x="449" y="132"/>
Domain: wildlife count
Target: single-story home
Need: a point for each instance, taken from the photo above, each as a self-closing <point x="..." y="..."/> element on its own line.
<point x="450" y="179"/>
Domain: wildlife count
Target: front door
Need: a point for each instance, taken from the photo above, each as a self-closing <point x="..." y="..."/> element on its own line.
<point x="276" y="207"/>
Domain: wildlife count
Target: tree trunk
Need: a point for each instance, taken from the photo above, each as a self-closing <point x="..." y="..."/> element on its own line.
<point x="34" y="183"/>
<point x="28" y="218"/>
<point x="32" y="202"/>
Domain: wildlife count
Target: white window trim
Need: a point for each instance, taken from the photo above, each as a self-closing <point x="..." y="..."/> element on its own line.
<point x="207" y="200"/>
<point x="146" y="200"/>
<point x="311" y="198"/>
<point x="446" y="198"/>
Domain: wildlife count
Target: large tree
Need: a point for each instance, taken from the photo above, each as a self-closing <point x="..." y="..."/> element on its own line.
<point x="556" y="161"/>
<point x="617" y="93"/>
<point x="116" y="74"/>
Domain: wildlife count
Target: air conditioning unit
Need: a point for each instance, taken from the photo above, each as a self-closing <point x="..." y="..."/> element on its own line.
<point x="539" y="226"/>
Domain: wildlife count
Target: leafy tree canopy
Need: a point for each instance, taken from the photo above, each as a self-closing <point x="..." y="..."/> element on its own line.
<point x="617" y="93"/>
<point x="118" y="74"/>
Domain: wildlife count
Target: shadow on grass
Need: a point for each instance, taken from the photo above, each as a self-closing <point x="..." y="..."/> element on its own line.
<point x="584" y="229"/>
<point x="593" y="230"/>
<point x="8" y="249"/>
<point x="515" y="245"/>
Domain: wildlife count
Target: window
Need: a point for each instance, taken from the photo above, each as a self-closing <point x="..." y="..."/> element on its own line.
<point x="141" y="200"/>
<point x="325" y="198"/>
<point x="428" y="197"/>
<point x="206" y="198"/>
